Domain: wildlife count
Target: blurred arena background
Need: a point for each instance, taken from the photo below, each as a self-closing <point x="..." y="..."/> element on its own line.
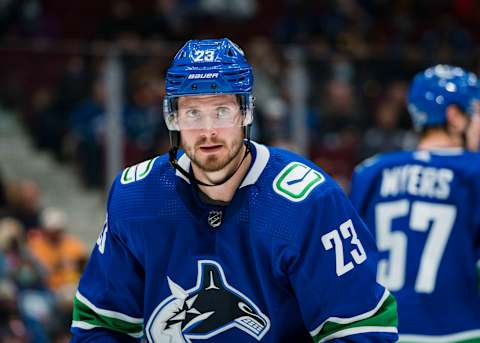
<point x="80" y="98"/>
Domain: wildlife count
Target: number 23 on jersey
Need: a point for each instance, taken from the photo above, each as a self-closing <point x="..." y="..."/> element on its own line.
<point x="335" y="239"/>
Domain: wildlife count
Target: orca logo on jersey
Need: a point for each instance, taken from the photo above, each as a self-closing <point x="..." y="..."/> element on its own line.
<point x="206" y="310"/>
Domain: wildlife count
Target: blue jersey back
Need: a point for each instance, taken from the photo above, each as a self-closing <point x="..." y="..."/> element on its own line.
<point x="424" y="210"/>
<point x="282" y="262"/>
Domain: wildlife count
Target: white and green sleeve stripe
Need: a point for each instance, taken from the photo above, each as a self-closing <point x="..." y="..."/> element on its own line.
<point x="87" y="316"/>
<point x="382" y="318"/>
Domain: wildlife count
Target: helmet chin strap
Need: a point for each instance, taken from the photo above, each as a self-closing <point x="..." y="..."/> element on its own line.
<point x="174" y="162"/>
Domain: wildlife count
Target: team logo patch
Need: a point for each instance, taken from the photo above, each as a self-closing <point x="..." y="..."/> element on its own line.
<point x="296" y="181"/>
<point x="215" y="218"/>
<point x="206" y="310"/>
<point x="137" y="172"/>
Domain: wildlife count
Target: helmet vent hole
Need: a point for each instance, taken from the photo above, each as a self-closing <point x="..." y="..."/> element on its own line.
<point x="230" y="52"/>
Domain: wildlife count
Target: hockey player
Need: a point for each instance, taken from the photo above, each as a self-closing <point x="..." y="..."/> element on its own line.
<point x="423" y="207"/>
<point x="228" y="240"/>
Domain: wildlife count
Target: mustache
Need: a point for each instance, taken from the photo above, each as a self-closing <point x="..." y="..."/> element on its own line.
<point x="205" y="140"/>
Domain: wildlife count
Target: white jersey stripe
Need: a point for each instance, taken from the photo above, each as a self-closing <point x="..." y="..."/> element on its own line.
<point x="360" y="329"/>
<point x="261" y="160"/>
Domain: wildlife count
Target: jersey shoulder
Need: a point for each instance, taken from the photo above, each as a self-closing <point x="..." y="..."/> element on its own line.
<point x="468" y="161"/>
<point x="376" y="163"/>
<point x="295" y="195"/>
<point x="465" y="166"/>
<point x="140" y="187"/>
<point x="456" y="157"/>
<point x="294" y="178"/>
<point x="369" y="172"/>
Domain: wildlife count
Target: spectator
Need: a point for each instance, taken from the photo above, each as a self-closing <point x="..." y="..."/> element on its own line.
<point x="60" y="253"/>
<point x="24" y="202"/>
<point x="62" y="256"/>
<point x="144" y="131"/>
<point x="27" y="305"/>
<point x="386" y="134"/>
<point x="87" y="122"/>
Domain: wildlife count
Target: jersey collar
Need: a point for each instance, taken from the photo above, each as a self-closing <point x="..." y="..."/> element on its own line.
<point x="260" y="155"/>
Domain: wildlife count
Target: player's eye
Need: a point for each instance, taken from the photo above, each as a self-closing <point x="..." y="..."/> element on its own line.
<point x="224" y="112"/>
<point x="192" y="114"/>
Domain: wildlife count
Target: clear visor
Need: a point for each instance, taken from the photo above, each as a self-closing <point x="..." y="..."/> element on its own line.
<point x="195" y="118"/>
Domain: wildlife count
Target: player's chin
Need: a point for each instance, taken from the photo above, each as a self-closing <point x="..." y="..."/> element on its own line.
<point x="213" y="164"/>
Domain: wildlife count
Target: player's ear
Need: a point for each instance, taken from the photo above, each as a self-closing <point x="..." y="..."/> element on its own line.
<point x="456" y="119"/>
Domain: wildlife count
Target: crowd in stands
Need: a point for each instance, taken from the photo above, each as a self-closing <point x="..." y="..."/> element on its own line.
<point x="358" y="56"/>
<point x="40" y="266"/>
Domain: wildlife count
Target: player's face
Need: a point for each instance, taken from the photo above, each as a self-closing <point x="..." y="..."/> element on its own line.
<point x="473" y="130"/>
<point x="215" y="143"/>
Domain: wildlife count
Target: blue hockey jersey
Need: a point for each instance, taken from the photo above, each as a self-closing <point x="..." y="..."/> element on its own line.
<point x="424" y="210"/>
<point x="287" y="260"/>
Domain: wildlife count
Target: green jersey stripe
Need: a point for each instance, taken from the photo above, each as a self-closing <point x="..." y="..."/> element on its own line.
<point x="88" y="317"/>
<point x="107" y="313"/>
<point x="382" y="318"/>
<point x="87" y="326"/>
<point x="365" y="315"/>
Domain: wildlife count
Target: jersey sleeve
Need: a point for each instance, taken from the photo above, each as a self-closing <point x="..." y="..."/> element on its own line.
<point x="108" y="305"/>
<point x="334" y="276"/>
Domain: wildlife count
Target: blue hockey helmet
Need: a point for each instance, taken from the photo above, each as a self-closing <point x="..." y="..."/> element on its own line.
<point x="209" y="66"/>
<point x="434" y="89"/>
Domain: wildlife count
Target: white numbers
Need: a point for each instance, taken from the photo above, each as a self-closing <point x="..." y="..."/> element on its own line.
<point x="334" y="236"/>
<point x="391" y="272"/>
<point x="103" y="237"/>
<point x="439" y="218"/>
<point x="204" y="56"/>
<point x="442" y="218"/>
<point x="358" y="254"/>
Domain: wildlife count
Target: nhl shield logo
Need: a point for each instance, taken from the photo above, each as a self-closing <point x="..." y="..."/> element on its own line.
<point x="215" y="218"/>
